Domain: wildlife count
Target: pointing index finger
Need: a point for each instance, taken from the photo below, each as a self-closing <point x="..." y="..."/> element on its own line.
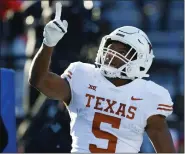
<point x="58" y="10"/>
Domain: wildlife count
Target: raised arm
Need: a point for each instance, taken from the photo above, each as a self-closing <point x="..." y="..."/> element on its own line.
<point x="40" y="77"/>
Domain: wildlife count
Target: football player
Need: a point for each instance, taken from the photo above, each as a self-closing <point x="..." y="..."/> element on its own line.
<point x="110" y="105"/>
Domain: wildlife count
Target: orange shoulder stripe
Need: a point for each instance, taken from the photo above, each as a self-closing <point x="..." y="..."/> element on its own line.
<point x="159" y="108"/>
<point x="164" y="105"/>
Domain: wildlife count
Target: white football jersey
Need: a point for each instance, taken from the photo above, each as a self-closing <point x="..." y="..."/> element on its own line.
<point x="106" y="118"/>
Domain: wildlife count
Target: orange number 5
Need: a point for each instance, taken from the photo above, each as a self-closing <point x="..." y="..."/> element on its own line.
<point x="98" y="133"/>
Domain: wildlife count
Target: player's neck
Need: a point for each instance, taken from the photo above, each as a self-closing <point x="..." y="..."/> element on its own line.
<point x="119" y="82"/>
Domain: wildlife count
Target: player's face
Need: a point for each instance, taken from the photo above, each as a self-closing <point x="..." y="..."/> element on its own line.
<point x="120" y="48"/>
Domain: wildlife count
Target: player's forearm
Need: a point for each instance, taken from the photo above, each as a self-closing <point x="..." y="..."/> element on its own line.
<point x="40" y="65"/>
<point x="165" y="145"/>
<point x="165" y="148"/>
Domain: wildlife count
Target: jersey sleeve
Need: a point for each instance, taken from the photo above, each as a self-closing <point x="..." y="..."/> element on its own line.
<point x="69" y="73"/>
<point x="165" y="106"/>
<point x="161" y="104"/>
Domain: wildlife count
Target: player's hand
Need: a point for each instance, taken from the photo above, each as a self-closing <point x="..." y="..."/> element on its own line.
<point x="55" y="29"/>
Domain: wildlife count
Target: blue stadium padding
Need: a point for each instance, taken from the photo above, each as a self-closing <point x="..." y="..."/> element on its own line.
<point x="7" y="107"/>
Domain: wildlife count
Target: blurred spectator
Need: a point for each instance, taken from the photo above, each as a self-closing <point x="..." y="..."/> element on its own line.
<point x="5" y="6"/>
<point x="6" y="9"/>
<point x="164" y="11"/>
<point x="145" y="22"/>
<point x="49" y="131"/>
<point x="164" y="7"/>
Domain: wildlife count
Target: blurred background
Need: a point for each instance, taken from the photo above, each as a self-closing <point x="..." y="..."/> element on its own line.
<point x="43" y="124"/>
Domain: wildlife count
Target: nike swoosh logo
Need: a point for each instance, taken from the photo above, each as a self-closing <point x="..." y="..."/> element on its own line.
<point x="135" y="99"/>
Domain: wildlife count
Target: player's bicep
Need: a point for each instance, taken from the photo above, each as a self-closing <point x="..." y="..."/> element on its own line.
<point x="55" y="87"/>
<point x="158" y="132"/>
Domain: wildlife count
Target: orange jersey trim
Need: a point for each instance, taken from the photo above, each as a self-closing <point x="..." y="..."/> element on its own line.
<point x="159" y="108"/>
<point x="164" y="105"/>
